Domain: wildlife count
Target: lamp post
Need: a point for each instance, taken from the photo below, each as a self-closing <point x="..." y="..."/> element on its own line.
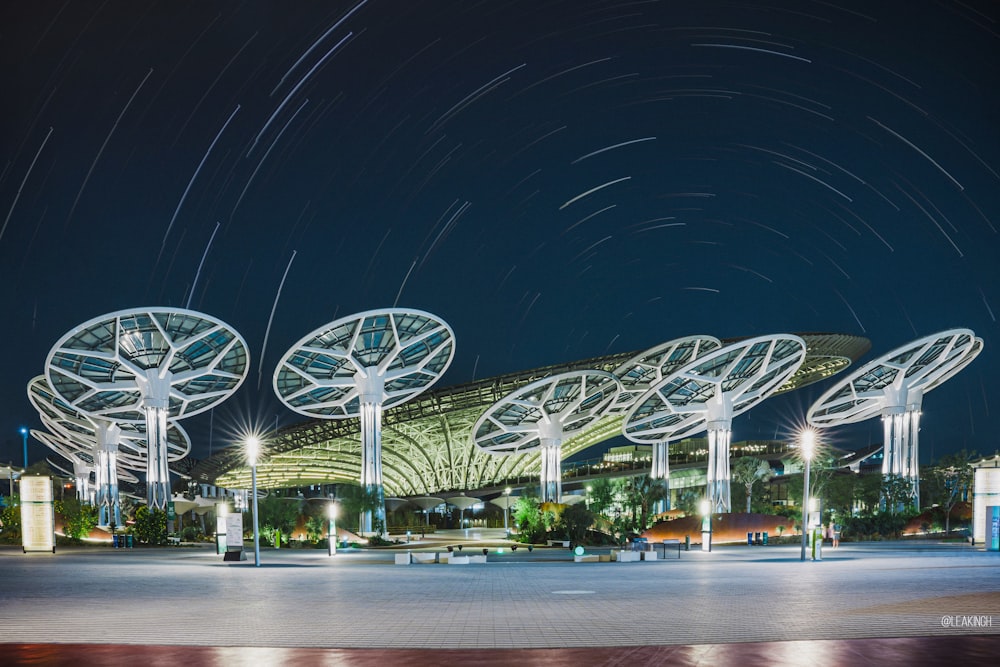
<point x="706" y="524"/>
<point x="24" y="436"/>
<point x="808" y="439"/>
<point x="253" y="449"/>
<point x="506" y="512"/>
<point x="331" y="529"/>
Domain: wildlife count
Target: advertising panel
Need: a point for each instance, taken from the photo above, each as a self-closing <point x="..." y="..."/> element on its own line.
<point x="37" y="515"/>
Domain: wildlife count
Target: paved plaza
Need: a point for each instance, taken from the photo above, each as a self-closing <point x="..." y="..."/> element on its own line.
<point x="305" y="600"/>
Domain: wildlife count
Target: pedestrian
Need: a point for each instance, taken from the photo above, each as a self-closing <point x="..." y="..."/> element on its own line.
<point x="836" y="535"/>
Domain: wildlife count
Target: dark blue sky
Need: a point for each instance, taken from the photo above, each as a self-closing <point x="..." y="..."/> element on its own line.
<point x="556" y="180"/>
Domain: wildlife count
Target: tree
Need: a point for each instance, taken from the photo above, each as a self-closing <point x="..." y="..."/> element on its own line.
<point x="747" y="471"/>
<point x="359" y="500"/>
<point x="576" y="521"/>
<point x="840" y="492"/>
<point x="641" y="493"/>
<point x="277" y="516"/>
<point x="78" y="519"/>
<point x="868" y="491"/>
<point x="947" y="482"/>
<point x="601" y="495"/>
<point x="10" y="518"/>
<point x="150" y="525"/>
<point x="531" y="522"/>
<point x="896" y="492"/>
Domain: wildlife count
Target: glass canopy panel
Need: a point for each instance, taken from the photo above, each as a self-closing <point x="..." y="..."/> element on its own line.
<point x="876" y="379"/>
<point x="930" y="357"/>
<point x="717" y="366"/>
<point x="183" y="326"/>
<point x="98" y="338"/>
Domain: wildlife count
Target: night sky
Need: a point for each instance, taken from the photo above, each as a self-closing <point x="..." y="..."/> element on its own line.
<point x="556" y="180"/>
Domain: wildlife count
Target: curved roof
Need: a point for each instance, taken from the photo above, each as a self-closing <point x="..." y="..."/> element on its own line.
<point x="427" y="446"/>
<point x="714" y="387"/>
<point x="548" y="409"/>
<point x="71" y="425"/>
<point x="328" y="371"/>
<point x="897" y="378"/>
<point x="103" y="366"/>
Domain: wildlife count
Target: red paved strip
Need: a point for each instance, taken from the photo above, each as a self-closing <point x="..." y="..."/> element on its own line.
<point x="915" y="651"/>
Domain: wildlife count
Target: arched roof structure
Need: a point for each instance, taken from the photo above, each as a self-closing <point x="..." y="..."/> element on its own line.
<point x="427" y="447"/>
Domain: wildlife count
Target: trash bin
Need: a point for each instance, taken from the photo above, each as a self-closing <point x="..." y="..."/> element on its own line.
<point x="687" y="543"/>
<point x="765" y="539"/>
<point x="756" y="538"/>
<point x="128" y="541"/>
<point x="114" y="541"/>
<point x="749" y="539"/>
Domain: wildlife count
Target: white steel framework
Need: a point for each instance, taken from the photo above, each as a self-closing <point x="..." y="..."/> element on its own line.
<point x="644" y="370"/>
<point x="427" y="446"/>
<point x="146" y="365"/>
<point x="109" y="448"/>
<point x="358" y="365"/>
<point x="893" y="387"/>
<point x="707" y="393"/>
<point x="540" y="415"/>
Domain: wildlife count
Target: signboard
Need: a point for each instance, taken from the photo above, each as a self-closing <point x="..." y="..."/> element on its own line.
<point x="993" y="530"/>
<point x="234" y="532"/>
<point x="171" y="512"/>
<point x="986" y="494"/>
<point x="37" y="515"/>
<point x="220" y="533"/>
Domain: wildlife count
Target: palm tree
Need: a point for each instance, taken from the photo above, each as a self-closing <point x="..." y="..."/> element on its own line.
<point x="747" y="470"/>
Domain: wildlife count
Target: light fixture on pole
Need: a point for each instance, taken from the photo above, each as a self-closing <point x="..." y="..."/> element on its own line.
<point x="253" y="449"/>
<point x="331" y="529"/>
<point x="24" y="436"/>
<point x="808" y="440"/>
<point x="506" y="513"/>
<point x="705" y="507"/>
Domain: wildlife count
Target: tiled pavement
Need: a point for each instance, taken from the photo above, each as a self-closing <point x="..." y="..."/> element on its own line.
<point x="695" y="610"/>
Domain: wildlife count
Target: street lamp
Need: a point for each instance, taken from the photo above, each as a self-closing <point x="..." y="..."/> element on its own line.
<point x="331" y="529"/>
<point x="253" y="449"/>
<point x="24" y="436"/>
<point x="705" y="508"/>
<point x="808" y="439"/>
<point x="506" y="512"/>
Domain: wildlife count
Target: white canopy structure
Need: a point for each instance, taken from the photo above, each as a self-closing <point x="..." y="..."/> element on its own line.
<point x="106" y="448"/>
<point x="893" y="386"/>
<point x="541" y="414"/>
<point x="707" y="393"/>
<point x="358" y="365"/>
<point x="146" y="365"/>
<point x="640" y="373"/>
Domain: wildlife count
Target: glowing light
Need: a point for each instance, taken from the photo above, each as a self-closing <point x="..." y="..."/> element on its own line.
<point x="253" y="449"/>
<point x="808" y="442"/>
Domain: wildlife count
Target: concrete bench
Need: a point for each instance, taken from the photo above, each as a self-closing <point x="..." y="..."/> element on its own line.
<point x="559" y="543"/>
<point x="424" y="557"/>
